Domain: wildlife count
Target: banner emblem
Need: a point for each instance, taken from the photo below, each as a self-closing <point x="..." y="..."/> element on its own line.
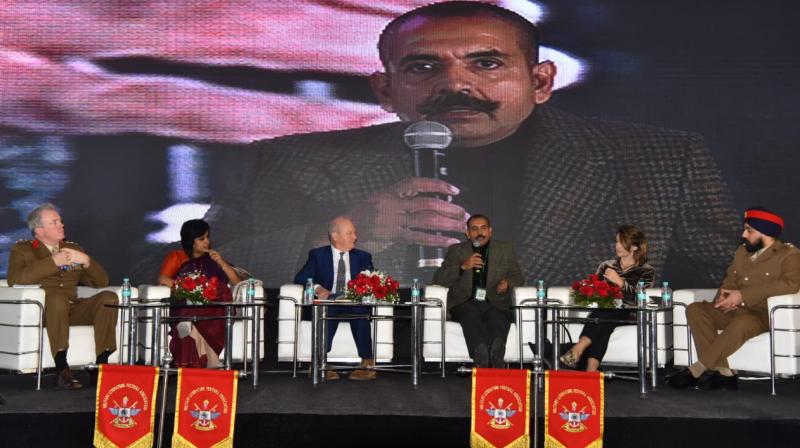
<point x="502" y="413"/>
<point x="205" y="417"/>
<point x="124" y="414"/>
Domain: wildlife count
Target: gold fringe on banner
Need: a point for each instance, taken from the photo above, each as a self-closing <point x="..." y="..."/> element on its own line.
<point x="476" y="441"/>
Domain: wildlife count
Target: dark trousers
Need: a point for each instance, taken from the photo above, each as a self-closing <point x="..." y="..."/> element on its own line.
<point x="600" y="333"/>
<point x="482" y="323"/>
<point x="362" y="333"/>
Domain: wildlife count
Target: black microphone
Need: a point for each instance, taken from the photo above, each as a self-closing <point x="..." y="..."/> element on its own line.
<point x="476" y="248"/>
<point x="428" y="140"/>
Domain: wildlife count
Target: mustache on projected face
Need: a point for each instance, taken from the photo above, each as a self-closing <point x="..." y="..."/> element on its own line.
<point x="456" y="100"/>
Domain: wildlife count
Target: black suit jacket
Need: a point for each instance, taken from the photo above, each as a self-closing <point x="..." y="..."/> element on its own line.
<point x="583" y="178"/>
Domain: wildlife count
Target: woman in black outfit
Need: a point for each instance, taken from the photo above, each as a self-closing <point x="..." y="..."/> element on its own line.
<point x="626" y="270"/>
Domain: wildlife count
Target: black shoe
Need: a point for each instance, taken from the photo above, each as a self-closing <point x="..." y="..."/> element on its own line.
<point x="497" y="354"/>
<point x="481" y="356"/>
<point x="681" y="379"/>
<point x="65" y="381"/>
<point x="713" y="380"/>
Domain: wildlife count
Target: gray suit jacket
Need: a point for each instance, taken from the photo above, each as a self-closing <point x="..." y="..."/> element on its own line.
<point x="502" y="264"/>
<point x="583" y="178"/>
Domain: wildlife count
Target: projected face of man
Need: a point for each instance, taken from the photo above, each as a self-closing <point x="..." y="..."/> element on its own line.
<point x="472" y="74"/>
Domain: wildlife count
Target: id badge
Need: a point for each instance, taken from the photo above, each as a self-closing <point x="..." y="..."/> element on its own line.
<point x="480" y="294"/>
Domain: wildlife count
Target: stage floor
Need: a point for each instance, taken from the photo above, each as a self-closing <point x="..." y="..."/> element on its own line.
<point x="286" y="411"/>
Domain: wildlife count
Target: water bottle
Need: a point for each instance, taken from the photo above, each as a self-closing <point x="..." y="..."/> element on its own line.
<point x="541" y="294"/>
<point x="250" y="295"/>
<point x="308" y="294"/>
<point x="415" y="291"/>
<point x="126" y="291"/>
<point x="641" y="295"/>
<point x="666" y="294"/>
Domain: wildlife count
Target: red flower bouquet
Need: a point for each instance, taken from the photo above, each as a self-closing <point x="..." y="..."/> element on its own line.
<point x="594" y="290"/>
<point x="195" y="288"/>
<point x="372" y="285"/>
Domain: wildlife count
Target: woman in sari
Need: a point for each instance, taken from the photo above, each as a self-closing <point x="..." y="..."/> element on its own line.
<point x="198" y="344"/>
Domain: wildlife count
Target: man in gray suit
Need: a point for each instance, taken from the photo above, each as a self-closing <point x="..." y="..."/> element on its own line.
<point x="556" y="185"/>
<point x="481" y="274"/>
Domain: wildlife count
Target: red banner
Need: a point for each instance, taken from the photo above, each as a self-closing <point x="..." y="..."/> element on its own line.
<point x="124" y="414"/>
<point x="500" y="408"/>
<point x="205" y="408"/>
<point x="574" y="409"/>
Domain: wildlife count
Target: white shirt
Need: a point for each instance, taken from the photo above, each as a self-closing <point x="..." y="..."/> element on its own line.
<point x="336" y="253"/>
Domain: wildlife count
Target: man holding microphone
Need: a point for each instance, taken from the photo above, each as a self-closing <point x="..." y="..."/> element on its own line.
<point x="480" y="274"/>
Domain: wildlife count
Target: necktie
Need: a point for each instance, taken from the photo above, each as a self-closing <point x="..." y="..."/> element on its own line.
<point x="341" y="275"/>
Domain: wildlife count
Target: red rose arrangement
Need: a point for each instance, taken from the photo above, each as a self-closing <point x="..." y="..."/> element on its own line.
<point x="369" y="284"/>
<point x="594" y="290"/>
<point x="195" y="288"/>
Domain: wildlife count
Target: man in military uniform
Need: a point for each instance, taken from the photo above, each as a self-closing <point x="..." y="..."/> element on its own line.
<point x="762" y="267"/>
<point x="58" y="266"/>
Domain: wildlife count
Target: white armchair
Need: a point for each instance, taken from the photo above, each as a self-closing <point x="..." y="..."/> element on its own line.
<point x="20" y="348"/>
<point x="754" y="355"/>
<point x="455" y="346"/>
<point x="242" y="338"/>
<point x="294" y="334"/>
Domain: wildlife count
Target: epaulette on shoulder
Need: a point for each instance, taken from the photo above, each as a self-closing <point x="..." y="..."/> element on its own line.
<point x="23" y="241"/>
<point x="789" y="244"/>
<point x="71" y="242"/>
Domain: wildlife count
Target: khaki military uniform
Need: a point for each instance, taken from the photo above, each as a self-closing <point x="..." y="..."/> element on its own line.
<point x="31" y="262"/>
<point x="774" y="272"/>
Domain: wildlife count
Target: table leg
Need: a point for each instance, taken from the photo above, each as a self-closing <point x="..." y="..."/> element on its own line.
<point x="415" y="352"/>
<point x="132" y="330"/>
<point x="641" y="356"/>
<point x="228" y="337"/>
<point x="519" y="337"/>
<point x="556" y="337"/>
<point x="155" y="338"/>
<point x="653" y="349"/>
<point x="539" y="342"/>
<point x="315" y="330"/>
<point x="256" y="342"/>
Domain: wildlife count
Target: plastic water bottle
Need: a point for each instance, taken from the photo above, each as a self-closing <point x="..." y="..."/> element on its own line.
<point x="308" y="294"/>
<point x="666" y="294"/>
<point x="250" y="295"/>
<point x="415" y="291"/>
<point x="126" y="291"/>
<point x="541" y="294"/>
<point x="641" y="295"/>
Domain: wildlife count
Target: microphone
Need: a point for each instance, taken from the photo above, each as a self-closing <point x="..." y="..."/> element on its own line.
<point x="476" y="248"/>
<point x="428" y="140"/>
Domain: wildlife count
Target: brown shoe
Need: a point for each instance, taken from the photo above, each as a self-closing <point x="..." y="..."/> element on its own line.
<point x="65" y="381"/>
<point x="364" y="374"/>
<point x="330" y="375"/>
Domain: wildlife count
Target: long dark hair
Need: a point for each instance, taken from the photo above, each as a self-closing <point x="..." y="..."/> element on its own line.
<point x="190" y="230"/>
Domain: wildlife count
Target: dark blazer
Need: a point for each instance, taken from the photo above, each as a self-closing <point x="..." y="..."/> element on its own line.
<point x="502" y="264"/>
<point x="319" y="266"/>
<point x="583" y="178"/>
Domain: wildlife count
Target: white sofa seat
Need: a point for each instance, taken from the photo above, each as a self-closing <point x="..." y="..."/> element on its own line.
<point x="242" y="338"/>
<point x="622" y="345"/>
<point x="455" y="344"/>
<point x="24" y="339"/>
<point x="753" y="356"/>
<point x="344" y="347"/>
